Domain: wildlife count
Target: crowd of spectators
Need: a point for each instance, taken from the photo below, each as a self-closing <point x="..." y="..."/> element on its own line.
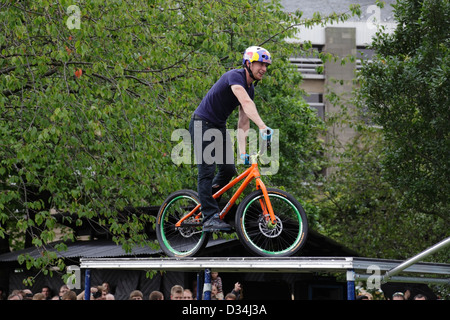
<point x="103" y="292"/>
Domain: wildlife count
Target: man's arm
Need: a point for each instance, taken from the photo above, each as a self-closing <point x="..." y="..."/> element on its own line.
<point x="248" y="106"/>
<point x="243" y="126"/>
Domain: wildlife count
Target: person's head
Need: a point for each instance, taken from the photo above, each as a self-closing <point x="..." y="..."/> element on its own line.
<point x="106" y="286"/>
<point x="214" y="275"/>
<point x="398" y="296"/>
<point x="64" y="288"/>
<point x="15" y="296"/>
<point x="214" y="290"/>
<point x="27" y="294"/>
<point x="230" y="296"/>
<point x="156" y="295"/>
<point x="46" y="292"/>
<point x="136" y="295"/>
<point x="104" y="291"/>
<point x="187" y="295"/>
<point x="255" y="61"/>
<point x="176" y="293"/>
<point x="98" y="292"/>
<point x="38" y="296"/>
<point x="69" y="295"/>
<point x="420" y="297"/>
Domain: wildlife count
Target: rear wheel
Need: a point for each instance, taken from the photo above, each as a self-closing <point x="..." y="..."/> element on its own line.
<point x="263" y="238"/>
<point x="188" y="239"/>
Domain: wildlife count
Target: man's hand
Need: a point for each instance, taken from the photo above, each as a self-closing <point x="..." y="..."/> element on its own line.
<point x="266" y="133"/>
<point x="246" y="158"/>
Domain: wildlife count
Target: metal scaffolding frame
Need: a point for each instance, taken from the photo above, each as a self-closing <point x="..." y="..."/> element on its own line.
<point x="356" y="268"/>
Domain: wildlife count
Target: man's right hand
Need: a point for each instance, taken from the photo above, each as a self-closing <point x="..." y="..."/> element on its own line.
<point x="266" y="133"/>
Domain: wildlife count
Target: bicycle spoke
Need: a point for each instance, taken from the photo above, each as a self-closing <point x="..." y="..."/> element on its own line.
<point x="272" y="238"/>
<point x="187" y="238"/>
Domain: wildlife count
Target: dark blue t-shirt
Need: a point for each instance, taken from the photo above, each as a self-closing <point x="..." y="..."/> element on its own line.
<point x="220" y="100"/>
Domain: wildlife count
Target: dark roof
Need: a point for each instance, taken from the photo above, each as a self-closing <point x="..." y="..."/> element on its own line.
<point x="83" y="249"/>
<point x="316" y="245"/>
<point x="104" y="247"/>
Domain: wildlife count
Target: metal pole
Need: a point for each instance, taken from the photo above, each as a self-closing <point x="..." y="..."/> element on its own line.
<point x="402" y="266"/>
<point x="441" y="281"/>
<point x="350" y="285"/>
<point x="207" y="285"/>
<point x="87" y="285"/>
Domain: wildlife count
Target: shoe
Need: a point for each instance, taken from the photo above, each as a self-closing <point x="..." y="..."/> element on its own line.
<point x="215" y="224"/>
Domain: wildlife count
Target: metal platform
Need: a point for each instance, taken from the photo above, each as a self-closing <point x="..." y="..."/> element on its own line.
<point x="362" y="267"/>
<point x="356" y="268"/>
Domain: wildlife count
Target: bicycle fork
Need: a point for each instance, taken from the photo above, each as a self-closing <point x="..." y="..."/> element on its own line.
<point x="265" y="203"/>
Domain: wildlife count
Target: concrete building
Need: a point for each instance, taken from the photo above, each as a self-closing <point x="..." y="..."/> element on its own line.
<point x="344" y="39"/>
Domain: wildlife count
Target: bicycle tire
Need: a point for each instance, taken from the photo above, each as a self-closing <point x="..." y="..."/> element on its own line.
<point x="185" y="241"/>
<point x="283" y="239"/>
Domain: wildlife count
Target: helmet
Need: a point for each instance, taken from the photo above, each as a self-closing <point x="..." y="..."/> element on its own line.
<point x="255" y="53"/>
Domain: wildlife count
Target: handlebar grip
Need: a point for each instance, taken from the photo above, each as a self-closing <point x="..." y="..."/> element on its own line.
<point x="266" y="133"/>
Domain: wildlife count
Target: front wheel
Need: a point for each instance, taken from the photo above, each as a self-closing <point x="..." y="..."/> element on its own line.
<point x="188" y="239"/>
<point x="263" y="238"/>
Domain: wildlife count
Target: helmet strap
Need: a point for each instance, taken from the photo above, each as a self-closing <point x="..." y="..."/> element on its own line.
<point x="247" y="67"/>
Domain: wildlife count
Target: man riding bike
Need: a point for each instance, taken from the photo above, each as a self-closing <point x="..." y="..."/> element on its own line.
<point x="234" y="88"/>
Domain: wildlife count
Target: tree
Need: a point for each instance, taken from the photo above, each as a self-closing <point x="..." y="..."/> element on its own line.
<point x="389" y="198"/>
<point x="90" y="94"/>
<point x="361" y="209"/>
<point x="406" y="90"/>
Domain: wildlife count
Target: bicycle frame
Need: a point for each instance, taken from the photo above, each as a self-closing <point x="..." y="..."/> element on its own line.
<point x="251" y="173"/>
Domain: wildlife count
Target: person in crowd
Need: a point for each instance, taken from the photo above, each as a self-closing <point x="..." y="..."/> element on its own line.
<point x="64" y="288"/>
<point x="215" y="295"/>
<point x="26" y="294"/>
<point x="47" y="292"/>
<point x="217" y="281"/>
<point x="38" y="296"/>
<point x="236" y="290"/>
<point x="176" y="293"/>
<point x="230" y="296"/>
<point x="187" y="294"/>
<point x="136" y="295"/>
<point x="107" y="287"/>
<point x="398" y="296"/>
<point x="156" y="295"/>
<point x="69" y="295"/>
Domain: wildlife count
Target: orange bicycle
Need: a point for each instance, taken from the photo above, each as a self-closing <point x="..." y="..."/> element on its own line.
<point x="269" y="222"/>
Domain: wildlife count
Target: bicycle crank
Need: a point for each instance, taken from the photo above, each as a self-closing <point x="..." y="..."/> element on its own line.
<point x="190" y="227"/>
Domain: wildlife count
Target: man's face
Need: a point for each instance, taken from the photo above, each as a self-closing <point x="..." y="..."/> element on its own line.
<point x="177" y="296"/>
<point x="187" y="295"/>
<point x="46" y="292"/>
<point x="259" y="69"/>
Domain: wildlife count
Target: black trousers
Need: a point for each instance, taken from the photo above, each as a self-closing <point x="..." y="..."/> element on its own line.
<point x="213" y="149"/>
